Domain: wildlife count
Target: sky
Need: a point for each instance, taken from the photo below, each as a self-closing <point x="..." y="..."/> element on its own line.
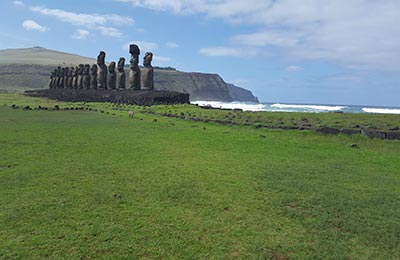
<point x="288" y="51"/>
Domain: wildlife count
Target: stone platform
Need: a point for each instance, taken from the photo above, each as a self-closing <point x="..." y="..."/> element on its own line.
<point x="137" y="97"/>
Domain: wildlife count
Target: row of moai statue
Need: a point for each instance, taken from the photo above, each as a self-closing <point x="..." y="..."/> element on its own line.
<point x="98" y="76"/>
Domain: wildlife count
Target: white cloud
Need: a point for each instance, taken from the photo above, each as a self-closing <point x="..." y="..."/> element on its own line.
<point x="32" y="25"/>
<point x="358" y="33"/>
<point x="172" y="45"/>
<point x="19" y="3"/>
<point x="159" y="60"/>
<point x="80" y="34"/>
<point x="294" y="68"/>
<point x="227" y="52"/>
<point x="82" y="19"/>
<point x="109" y="31"/>
<point x="144" y="46"/>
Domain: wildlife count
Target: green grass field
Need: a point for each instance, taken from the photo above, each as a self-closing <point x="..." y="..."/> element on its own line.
<point x="98" y="185"/>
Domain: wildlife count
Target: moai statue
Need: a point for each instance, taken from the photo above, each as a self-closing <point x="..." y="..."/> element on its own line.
<point x="86" y="77"/>
<point x="80" y="77"/>
<point x="51" y="80"/>
<point x="75" y="78"/>
<point x="62" y="77"/>
<point x="70" y="77"/>
<point x="101" y="71"/>
<point x="134" y="74"/>
<point x="111" y="76"/>
<point x="93" y="77"/>
<point x="66" y="79"/>
<point x="58" y="77"/>
<point x="121" y="74"/>
<point x="148" y="72"/>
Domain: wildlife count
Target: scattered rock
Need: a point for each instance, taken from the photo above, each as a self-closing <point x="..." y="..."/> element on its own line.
<point x="375" y="134"/>
<point x="328" y="130"/>
<point x="348" y="131"/>
<point x="393" y="135"/>
<point x="262" y="136"/>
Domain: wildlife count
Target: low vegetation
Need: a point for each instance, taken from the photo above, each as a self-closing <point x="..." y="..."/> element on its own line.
<point x="91" y="183"/>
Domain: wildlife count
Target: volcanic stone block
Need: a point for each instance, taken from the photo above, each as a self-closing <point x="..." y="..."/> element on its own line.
<point x="375" y="133"/>
<point x="393" y="135"/>
<point x="348" y="131"/>
<point x="328" y="130"/>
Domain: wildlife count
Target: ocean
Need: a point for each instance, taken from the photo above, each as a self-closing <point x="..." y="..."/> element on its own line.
<point x="310" y="108"/>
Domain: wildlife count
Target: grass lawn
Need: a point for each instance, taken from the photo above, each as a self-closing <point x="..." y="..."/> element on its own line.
<point x="90" y="185"/>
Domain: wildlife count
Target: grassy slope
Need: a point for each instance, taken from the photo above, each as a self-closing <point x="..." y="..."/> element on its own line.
<point x="188" y="190"/>
<point x="41" y="56"/>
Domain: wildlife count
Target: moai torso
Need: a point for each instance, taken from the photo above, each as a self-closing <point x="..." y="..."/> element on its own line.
<point x="80" y="77"/>
<point x="86" y="77"/>
<point x="66" y="77"/>
<point x="111" y="76"/>
<point x="75" y="78"/>
<point x="147" y="72"/>
<point x="121" y="78"/>
<point x="70" y="77"/>
<point x="134" y="74"/>
<point x="93" y="77"/>
<point x="101" y="71"/>
<point x="62" y="77"/>
<point x="58" y="77"/>
<point x="51" y="80"/>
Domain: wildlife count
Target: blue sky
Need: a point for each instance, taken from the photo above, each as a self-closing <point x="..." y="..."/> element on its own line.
<point x="311" y="51"/>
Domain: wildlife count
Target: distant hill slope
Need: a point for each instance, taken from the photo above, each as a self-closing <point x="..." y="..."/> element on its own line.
<point x="41" y="56"/>
<point x="24" y="69"/>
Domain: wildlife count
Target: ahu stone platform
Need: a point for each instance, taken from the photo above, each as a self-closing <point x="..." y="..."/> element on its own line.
<point x="138" y="97"/>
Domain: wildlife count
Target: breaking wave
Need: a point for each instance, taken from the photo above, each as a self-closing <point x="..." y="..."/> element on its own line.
<point x="381" y="110"/>
<point x="232" y="105"/>
<point x="308" y="107"/>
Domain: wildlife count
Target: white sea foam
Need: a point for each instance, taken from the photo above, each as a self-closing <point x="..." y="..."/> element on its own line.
<point x="381" y="110"/>
<point x="311" y="107"/>
<point x="232" y="105"/>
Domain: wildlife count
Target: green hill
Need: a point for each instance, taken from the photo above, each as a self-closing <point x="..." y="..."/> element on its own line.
<point x="24" y="69"/>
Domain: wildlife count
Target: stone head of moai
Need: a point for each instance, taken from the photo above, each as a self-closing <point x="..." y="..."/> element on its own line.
<point x="121" y="64"/>
<point x="58" y="71"/>
<point x="81" y="69"/>
<point x="101" y="58"/>
<point x="148" y="57"/>
<point x="86" y="69"/>
<point x="76" y="71"/>
<point x="134" y="49"/>
<point x="94" y="69"/>
<point x="135" y="52"/>
<point x="71" y="71"/>
<point x="111" y="67"/>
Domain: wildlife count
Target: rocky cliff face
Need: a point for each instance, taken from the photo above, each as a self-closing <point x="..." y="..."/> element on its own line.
<point x="241" y="94"/>
<point x="200" y="86"/>
<point x="27" y="69"/>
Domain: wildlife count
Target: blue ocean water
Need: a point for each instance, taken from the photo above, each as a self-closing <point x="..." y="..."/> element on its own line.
<point x="310" y="108"/>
